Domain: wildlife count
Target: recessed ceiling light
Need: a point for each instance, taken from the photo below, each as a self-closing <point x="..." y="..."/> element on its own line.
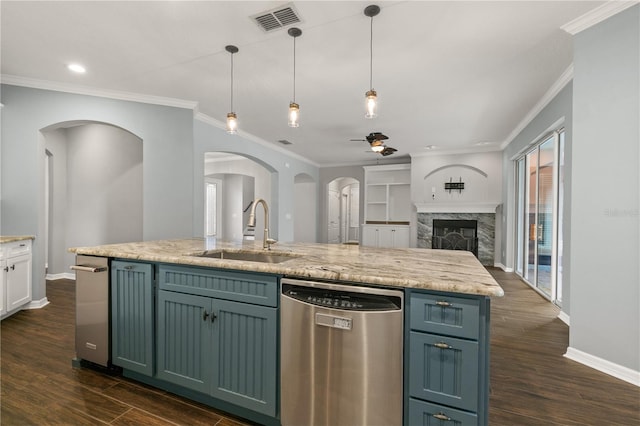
<point x="483" y="143"/>
<point x="428" y="147"/>
<point x="77" y="68"/>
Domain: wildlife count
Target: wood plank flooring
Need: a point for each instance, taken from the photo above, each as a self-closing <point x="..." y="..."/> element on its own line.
<point x="531" y="382"/>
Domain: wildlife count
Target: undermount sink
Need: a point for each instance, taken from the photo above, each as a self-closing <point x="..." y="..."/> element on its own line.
<point x="248" y="256"/>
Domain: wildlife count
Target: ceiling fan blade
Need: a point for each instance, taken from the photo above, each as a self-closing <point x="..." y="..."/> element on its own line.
<point x="387" y="151"/>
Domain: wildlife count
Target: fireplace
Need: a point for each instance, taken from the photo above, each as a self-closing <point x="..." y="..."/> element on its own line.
<point x="485" y="229"/>
<point x="453" y="234"/>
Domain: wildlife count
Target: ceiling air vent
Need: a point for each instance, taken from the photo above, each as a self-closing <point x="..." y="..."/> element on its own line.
<point x="277" y="18"/>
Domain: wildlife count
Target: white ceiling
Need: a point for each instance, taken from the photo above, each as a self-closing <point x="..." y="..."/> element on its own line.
<point x="448" y="73"/>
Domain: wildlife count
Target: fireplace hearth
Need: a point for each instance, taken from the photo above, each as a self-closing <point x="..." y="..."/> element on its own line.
<point x="452" y="234"/>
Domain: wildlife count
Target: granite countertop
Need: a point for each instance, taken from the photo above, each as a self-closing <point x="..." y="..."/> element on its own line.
<point x="13" y="238"/>
<point x="441" y="270"/>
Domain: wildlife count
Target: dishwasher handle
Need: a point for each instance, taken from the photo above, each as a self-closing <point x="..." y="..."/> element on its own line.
<point x="88" y="268"/>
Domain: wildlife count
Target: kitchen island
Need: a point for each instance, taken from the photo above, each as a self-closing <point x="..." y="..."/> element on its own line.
<point x="185" y="314"/>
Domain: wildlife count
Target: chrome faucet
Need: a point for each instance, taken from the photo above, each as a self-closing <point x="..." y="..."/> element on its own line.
<point x="266" y="244"/>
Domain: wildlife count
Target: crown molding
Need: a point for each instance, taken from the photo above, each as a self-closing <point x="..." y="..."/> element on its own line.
<point x="553" y="91"/>
<point x="597" y="15"/>
<point x="223" y="126"/>
<point x="457" y="151"/>
<point x="33" y="83"/>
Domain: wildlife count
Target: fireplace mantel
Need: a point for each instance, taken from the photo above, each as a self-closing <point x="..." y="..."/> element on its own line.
<point x="456" y="207"/>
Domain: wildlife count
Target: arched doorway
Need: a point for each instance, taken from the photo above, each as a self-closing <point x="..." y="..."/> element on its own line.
<point x="93" y="189"/>
<point x="343" y="215"/>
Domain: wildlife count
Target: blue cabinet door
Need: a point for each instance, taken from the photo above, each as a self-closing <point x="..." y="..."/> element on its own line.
<point x="244" y="355"/>
<point x="184" y="340"/>
<point x="444" y="370"/>
<point x="132" y="316"/>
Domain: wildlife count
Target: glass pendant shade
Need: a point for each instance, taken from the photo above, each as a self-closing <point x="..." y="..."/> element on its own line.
<point x="377" y="148"/>
<point x="232" y="123"/>
<point x="371" y="104"/>
<point x="294" y="114"/>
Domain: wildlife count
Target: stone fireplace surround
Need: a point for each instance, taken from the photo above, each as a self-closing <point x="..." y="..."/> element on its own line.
<point x="483" y="214"/>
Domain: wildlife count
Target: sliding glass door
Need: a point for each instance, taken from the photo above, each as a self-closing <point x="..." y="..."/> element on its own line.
<point x="538" y="207"/>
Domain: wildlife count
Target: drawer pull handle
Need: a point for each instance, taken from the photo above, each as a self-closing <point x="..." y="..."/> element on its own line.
<point x="129" y="267"/>
<point x="443" y="303"/>
<point x="442" y="416"/>
<point x="442" y="345"/>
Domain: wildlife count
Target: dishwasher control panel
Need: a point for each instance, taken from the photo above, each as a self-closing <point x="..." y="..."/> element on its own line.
<point x="343" y="300"/>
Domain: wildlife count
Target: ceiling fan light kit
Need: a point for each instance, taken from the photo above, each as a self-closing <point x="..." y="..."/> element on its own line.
<point x="232" y="118"/>
<point x="371" y="97"/>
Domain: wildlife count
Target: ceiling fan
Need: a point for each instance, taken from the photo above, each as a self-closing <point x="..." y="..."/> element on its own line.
<point x="375" y="140"/>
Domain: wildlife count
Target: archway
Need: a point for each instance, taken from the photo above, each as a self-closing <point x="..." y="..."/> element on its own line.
<point x="93" y="189"/>
<point x="239" y="180"/>
<point x="343" y="215"/>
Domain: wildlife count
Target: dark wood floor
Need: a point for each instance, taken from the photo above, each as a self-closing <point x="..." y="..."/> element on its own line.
<point x="531" y="382"/>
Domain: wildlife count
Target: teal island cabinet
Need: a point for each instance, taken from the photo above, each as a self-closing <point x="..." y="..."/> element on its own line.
<point x="208" y="328"/>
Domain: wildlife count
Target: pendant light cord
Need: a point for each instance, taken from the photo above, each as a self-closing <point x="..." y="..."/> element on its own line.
<point x="294" y="69"/>
<point x="371" y="56"/>
<point x="232" y="82"/>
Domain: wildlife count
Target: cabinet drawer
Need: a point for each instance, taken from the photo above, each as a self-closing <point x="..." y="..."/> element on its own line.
<point x="422" y="413"/>
<point x="444" y="370"/>
<point x="229" y="285"/>
<point x="443" y="314"/>
<point x="17" y="248"/>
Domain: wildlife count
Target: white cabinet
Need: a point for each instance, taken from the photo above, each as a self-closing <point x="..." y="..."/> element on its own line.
<point x="386" y="235"/>
<point x="15" y="275"/>
<point x="387" y="203"/>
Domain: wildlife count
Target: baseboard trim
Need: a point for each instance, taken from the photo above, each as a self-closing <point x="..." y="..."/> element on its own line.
<point x="504" y="268"/>
<point x="62" y="276"/>
<point x="607" y="367"/>
<point x="564" y="318"/>
<point x="37" y="304"/>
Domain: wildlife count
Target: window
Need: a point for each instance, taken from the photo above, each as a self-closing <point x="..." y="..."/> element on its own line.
<point x="211" y="209"/>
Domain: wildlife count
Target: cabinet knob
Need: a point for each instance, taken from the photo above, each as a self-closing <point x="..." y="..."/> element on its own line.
<point x="13" y="267"/>
<point x="205" y="315"/>
<point x="213" y="316"/>
<point x="6" y="269"/>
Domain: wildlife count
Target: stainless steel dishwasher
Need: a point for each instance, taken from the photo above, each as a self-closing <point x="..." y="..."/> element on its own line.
<point x="341" y="354"/>
<point x="92" y="309"/>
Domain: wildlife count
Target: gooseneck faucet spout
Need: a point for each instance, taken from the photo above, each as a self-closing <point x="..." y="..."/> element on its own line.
<point x="252" y="222"/>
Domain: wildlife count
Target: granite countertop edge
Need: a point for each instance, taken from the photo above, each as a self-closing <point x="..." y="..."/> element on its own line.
<point x="13" y="238"/>
<point x="438" y="270"/>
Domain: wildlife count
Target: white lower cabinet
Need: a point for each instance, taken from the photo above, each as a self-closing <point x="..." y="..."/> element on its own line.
<point x="15" y="276"/>
<point x="386" y="235"/>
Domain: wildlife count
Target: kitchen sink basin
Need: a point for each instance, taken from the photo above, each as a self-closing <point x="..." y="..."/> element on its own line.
<point x="249" y="256"/>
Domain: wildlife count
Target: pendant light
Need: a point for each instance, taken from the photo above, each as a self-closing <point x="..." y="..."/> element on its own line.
<point x="294" y="108"/>
<point x="232" y="118"/>
<point x="371" y="95"/>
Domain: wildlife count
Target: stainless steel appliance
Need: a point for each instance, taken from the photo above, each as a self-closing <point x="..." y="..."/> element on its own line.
<point x="92" y="309"/>
<point x="341" y="354"/>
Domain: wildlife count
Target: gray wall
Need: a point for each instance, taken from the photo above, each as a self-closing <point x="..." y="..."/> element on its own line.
<point x="167" y="135"/>
<point x="605" y="234"/>
<point x="560" y="108"/>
